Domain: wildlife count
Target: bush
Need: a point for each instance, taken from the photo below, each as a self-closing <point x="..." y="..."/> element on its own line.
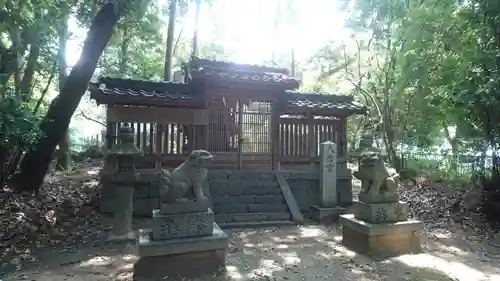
<point x="18" y="125"/>
<point x="19" y="131"/>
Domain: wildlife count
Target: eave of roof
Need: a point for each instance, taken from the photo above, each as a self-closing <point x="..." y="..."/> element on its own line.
<point x="138" y="92"/>
<point x="241" y="74"/>
<point x="323" y="102"/>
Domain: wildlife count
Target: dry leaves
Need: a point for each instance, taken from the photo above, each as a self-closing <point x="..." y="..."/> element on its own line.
<point x="62" y="213"/>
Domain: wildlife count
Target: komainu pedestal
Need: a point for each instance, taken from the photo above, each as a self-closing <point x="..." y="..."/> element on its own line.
<point x="186" y="244"/>
<point x="184" y="240"/>
<point x="380" y="224"/>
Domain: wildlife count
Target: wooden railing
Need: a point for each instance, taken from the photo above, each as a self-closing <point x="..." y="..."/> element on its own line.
<point x="298" y="141"/>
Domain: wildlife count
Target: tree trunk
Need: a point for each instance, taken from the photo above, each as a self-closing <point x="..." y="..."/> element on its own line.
<point x="29" y="72"/>
<point x="35" y="164"/>
<point x="196" y="29"/>
<point x="63" y="156"/>
<point x="167" y="75"/>
<point x="122" y="69"/>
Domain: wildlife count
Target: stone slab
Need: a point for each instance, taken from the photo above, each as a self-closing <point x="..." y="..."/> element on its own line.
<point x="150" y="248"/>
<point x="183" y="208"/>
<point x="326" y="215"/>
<point x="381" y="212"/>
<point x="181" y="225"/>
<point x="290" y="200"/>
<point x="382" y="239"/>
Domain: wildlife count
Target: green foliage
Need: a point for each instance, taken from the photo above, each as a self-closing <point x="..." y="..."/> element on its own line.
<point x="425" y="68"/>
<point x="18" y="125"/>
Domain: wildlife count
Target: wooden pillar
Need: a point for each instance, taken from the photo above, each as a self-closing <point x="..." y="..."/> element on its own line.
<point x="311" y="140"/>
<point x="240" y="135"/>
<point x="158" y="146"/>
<point x="205" y="136"/>
<point x="275" y="135"/>
<point x="342" y="141"/>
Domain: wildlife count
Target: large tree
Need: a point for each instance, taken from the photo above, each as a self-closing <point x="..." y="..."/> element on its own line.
<point x="35" y="163"/>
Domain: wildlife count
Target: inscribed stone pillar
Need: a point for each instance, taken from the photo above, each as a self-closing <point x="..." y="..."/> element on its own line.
<point x="328" y="174"/>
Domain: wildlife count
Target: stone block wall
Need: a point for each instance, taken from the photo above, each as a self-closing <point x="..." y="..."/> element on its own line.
<point x="305" y="188"/>
<point x="146" y="195"/>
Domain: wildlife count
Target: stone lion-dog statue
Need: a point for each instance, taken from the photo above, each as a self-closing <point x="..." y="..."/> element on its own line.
<point x="185" y="182"/>
<point x="376" y="177"/>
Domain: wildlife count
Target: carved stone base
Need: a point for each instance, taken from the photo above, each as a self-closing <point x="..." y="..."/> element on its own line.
<point x="189" y="206"/>
<point x="381" y="240"/>
<point x="381" y="212"/>
<point x="182" y="225"/>
<point x="378" y="198"/>
<point x="326" y="215"/>
<point x="186" y="257"/>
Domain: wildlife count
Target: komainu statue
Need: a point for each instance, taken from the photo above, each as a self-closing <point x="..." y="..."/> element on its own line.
<point x="185" y="183"/>
<point x="379" y="182"/>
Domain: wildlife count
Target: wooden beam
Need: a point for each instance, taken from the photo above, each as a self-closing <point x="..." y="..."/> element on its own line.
<point x="157" y="115"/>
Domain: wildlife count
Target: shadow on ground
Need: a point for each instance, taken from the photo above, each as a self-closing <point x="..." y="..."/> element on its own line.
<point x="309" y="252"/>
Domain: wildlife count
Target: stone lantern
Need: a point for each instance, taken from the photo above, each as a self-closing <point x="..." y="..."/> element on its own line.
<point x="121" y="177"/>
<point x="366" y="146"/>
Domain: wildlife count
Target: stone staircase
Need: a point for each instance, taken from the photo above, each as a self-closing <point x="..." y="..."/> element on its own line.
<point x="248" y="200"/>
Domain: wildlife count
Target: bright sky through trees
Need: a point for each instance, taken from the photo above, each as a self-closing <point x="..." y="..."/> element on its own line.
<point x="248" y="28"/>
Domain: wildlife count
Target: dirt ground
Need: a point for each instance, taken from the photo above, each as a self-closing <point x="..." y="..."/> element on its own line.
<point x="296" y="253"/>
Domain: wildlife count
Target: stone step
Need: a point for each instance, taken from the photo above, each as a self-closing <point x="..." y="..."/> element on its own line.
<point x="252" y="217"/>
<point x="248" y="190"/>
<point x="245" y="183"/>
<point x="247" y="199"/>
<point x="249" y="208"/>
<point x="244" y="187"/>
<point x="259" y="224"/>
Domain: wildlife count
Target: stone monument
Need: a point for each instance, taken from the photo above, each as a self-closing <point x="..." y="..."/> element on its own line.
<point x="183" y="240"/>
<point x="120" y="175"/>
<point x="379" y="225"/>
<point x="327" y="210"/>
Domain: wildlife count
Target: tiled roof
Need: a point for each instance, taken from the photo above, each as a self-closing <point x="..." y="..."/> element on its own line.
<point x="116" y="89"/>
<point x="233" y="72"/>
<point x="230" y="66"/>
<point x="323" y="101"/>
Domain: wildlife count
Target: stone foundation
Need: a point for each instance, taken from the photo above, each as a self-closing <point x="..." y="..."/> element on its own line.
<point x="304" y="186"/>
<point x="326" y="215"/>
<point x="186" y="257"/>
<point x="382" y="239"/>
<point x="190" y="265"/>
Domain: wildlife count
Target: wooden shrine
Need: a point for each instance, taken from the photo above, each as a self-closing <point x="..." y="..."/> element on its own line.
<point x="249" y="117"/>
